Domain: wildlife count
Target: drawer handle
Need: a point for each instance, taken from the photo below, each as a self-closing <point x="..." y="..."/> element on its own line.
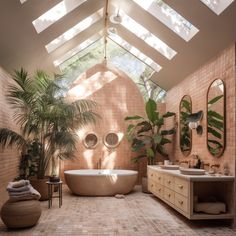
<point x="180" y="186"/>
<point x="159" y="189"/>
<point x="169" y="182"/>
<point x="181" y="202"/>
<point x="151" y="174"/>
<point x="152" y="185"/>
<point x="169" y="195"/>
<point x="159" y="178"/>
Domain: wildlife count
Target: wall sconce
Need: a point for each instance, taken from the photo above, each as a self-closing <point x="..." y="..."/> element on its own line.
<point x="194" y="121"/>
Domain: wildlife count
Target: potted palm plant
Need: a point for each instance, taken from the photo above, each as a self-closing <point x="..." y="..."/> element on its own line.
<point x="48" y="123"/>
<point x="147" y="136"/>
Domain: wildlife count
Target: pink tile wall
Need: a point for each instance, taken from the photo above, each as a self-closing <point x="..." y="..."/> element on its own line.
<point x="9" y="159"/>
<point x="196" y="85"/>
<point x="118" y="97"/>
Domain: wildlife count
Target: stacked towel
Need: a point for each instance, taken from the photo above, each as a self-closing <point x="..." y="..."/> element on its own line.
<point x="22" y="190"/>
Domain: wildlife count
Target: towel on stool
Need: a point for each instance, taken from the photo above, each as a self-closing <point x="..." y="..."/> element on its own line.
<point x="213" y="208"/>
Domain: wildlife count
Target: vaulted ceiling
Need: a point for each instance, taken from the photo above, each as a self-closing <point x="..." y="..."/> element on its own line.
<point x="175" y="38"/>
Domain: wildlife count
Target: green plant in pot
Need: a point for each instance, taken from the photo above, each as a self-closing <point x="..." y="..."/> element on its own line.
<point x="48" y="123"/>
<point x="147" y="135"/>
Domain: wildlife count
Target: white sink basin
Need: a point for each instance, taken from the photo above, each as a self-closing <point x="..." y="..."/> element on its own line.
<point x="170" y="167"/>
<point x="192" y="171"/>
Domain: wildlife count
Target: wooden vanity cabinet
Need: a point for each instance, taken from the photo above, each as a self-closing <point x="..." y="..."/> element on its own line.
<point x="178" y="191"/>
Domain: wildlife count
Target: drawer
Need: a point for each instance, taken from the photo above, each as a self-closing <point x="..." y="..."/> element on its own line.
<point x="151" y="186"/>
<point x="159" y="190"/>
<point x="159" y="178"/>
<point x="182" y="186"/>
<point x="169" y="182"/>
<point x="151" y="174"/>
<point x="169" y="195"/>
<point x="181" y="202"/>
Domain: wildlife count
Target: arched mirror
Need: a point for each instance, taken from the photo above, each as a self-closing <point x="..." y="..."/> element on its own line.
<point x="90" y="140"/>
<point x="185" y="109"/>
<point x="216" y="118"/>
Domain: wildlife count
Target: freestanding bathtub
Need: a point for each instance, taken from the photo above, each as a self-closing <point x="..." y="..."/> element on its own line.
<point x="100" y="182"/>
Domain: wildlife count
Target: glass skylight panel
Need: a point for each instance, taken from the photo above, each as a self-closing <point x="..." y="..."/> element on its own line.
<point x="55" y="13"/>
<point x="147" y="36"/>
<point x="217" y="6"/>
<point x="23" y="1"/>
<point x="169" y="17"/>
<point x="117" y="39"/>
<point x="136" y="69"/>
<point x="72" y="32"/>
<point x="77" y="49"/>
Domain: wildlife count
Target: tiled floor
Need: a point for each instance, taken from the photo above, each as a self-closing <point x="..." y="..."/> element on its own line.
<point x="137" y="214"/>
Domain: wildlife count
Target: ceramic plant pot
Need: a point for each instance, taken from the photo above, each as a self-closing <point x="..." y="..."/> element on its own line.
<point x="41" y="186"/>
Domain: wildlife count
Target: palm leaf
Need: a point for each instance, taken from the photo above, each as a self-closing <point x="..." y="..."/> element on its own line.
<point x="8" y="138"/>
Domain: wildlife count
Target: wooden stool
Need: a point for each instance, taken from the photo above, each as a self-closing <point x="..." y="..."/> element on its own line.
<point x="51" y="190"/>
<point x="21" y="214"/>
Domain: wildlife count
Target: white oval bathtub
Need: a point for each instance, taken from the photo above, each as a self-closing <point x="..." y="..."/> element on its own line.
<point x="91" y="182"/>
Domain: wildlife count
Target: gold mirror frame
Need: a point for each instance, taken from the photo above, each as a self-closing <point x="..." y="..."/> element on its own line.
<point x="111" y="139"/>
<point x="90" y="140"/>
<point x="183" y="126"/>
<point x="216" y="127"/>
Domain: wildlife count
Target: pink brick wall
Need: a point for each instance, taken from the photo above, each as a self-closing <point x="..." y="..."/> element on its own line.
<point x="196" y="85"/>
<point x="118" y="97"/>
<point x="9" y="159"/>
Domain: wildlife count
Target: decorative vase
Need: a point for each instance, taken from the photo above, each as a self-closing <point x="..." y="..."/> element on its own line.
<point x="21" y="214"/>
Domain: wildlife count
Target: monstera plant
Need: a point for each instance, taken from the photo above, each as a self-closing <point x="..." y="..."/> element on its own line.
<point x="147" y="135"/>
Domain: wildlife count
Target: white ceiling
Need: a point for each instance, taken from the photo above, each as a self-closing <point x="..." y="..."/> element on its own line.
<point x="21" y="45"/>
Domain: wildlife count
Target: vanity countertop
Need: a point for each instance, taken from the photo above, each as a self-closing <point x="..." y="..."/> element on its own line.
<point x="202" y="178"/>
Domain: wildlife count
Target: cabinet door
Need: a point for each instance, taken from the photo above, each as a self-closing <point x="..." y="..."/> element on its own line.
<point x="159" y="178"/>
<point x="151" y="185"/>
<point x="151" y="174"/>
<point x="159" y="190"/>
<point x="169" y="195"/>
<point x="181" y="202"/>
<point x="182" y="186"/>
<point x="169" y="181"/>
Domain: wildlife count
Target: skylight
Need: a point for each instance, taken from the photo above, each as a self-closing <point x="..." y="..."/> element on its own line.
<point x="72" y="32"/>
<point x="169" y="17"/>
<point x="217" y="6"/>
<point x="55" y="13"/>
<point x="77" y="49"/>
<point x="147" y="36"/>
<point x="23" y="1"/>
<point x="137" y="70"/>
<point x="117" y="39"/>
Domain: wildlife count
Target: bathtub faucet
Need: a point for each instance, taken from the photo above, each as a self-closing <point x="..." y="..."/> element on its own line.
<point x="99" y="164"/>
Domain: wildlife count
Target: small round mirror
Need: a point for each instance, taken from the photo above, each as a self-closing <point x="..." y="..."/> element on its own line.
<point x="111" y="140"/>
<point x="90" y="140"/>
